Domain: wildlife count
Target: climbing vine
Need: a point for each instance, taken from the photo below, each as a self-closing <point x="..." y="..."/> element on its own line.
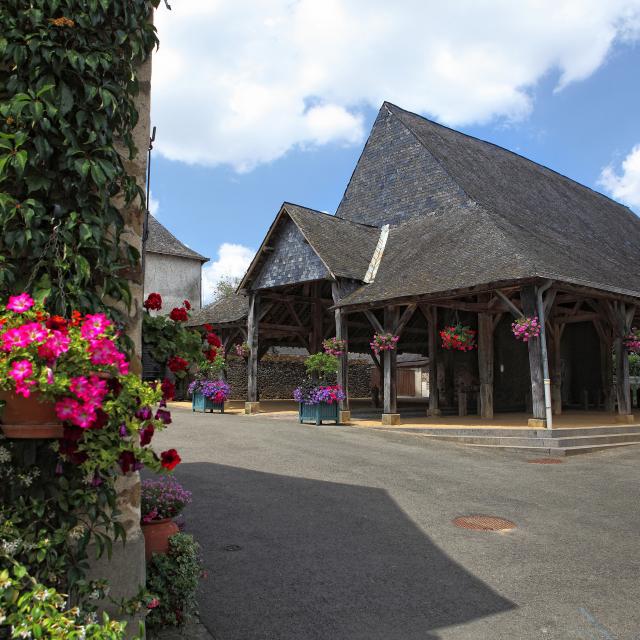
<point x="67" y="89"/>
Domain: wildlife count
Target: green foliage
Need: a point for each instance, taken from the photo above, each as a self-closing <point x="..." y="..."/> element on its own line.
<point x="321" y="365"/>
<point x="33" y="610"/>
<point x="634" y="364"/>
<point x="174" y="579"/>
<point x="68" y="83"/>
<point x="167" y="338"/>
<point x="226" y="287"/>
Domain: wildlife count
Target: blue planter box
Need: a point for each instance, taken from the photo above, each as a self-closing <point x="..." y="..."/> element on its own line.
<point x="318" y="412"/>
<point x="202" y="404"/>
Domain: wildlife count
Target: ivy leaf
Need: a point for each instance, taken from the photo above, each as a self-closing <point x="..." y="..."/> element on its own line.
<point x="42" y="288"/>
<point x="84" y="270"/>
<point x="20" y="161"/>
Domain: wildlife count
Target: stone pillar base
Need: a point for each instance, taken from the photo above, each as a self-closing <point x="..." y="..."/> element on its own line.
<point x="251" y="408"/>
<point x="390" y="419"/>
<point x="625" y="418"/>
<point x="434" y="413"/>
<point x="537" y="423"/>
<point x="344" y="417"/>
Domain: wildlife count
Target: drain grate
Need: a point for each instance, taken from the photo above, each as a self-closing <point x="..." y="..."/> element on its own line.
<point x="545" y="461"/>
<point x="232" y="547"/>
<point x="484" y="523"/>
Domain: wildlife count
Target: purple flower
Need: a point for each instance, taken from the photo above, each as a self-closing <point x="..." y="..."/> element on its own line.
<point x="123" y="430"/>
<point x="144" y="413"/>
<point x="164" y="416"/>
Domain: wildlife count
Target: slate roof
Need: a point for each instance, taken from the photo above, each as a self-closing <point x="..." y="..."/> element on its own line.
<point x="519" y="220"/>
<point x="161" y="240"/>
<point x="232" y="308"/>
<point x="344" y="247"/>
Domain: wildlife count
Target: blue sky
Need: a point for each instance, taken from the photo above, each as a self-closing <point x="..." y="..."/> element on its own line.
<point x="216" y="186"/>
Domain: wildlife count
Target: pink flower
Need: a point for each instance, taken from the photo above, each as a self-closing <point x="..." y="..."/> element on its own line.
<point x="70" y="410"/>
<point x="14" y="339"/>
<point x="20" y="303"/>
<point x="94" y="325"/>
<point x="23" y="387"/>
<point x="20" y="370"/>
<point x="54" y="346"/>
<point x="66" y="408"/>
<point x="104" y="351"/>
<point x="34" y="332"/>
<point x="92" y="390"/>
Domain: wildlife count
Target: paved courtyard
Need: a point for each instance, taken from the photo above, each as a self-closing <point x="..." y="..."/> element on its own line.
<point x="337" y="533"/>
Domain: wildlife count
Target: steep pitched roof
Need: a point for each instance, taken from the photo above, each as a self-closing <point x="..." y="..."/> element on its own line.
<point x="517" y="220"/>
<point x="161" y="240"/>
<point x="343" y="247"/>
<point x="232" y="308"/>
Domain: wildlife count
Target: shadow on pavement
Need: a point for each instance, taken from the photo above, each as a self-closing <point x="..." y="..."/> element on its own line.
<point x="320" y="560"/>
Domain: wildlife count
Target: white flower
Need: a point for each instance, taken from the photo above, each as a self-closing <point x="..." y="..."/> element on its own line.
<point x="5" y="455"/>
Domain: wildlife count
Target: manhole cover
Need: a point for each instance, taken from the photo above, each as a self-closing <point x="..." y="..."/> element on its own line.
<point x="232" y="547"/>
<point x="545" y="461"/>
<point x="484" y="523"/>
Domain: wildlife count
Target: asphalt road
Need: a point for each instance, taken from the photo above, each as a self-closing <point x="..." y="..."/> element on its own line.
<point x="346" y="533"/>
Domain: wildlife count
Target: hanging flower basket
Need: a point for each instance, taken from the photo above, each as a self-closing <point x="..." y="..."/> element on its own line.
<point x="632" y="341"/>
<point x="242" y="350"/>
<point x="334" y="347"/>
<point x="526" y="328"/>
<point x="383" y="342"/>
<point x="458" y="337"/>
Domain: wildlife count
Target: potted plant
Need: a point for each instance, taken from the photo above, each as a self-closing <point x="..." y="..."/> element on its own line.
<point x="161" y="501"/>
<point x="458" y="337"/>
<point x="383" y="342"/>
<point x="53" y="369"/>
<point x="334" y="347"/>
<point x="525" y="328"/>
<point x="318" y="399"/>
<point x="209" y="391"/>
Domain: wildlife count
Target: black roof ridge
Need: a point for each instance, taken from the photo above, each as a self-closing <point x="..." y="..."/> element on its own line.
<point x="388" y="104"/>
<point x="331" y="215"/>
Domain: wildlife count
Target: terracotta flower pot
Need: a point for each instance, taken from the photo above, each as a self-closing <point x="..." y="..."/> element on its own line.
<point x="32" y="417"/>
<point x="156" y="536"/>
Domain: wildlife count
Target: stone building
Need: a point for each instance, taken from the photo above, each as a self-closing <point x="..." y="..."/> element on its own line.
<point x="437" y="228"/>
<point x="171" y="268"/>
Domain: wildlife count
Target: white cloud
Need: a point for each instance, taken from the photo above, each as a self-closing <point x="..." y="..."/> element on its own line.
<point x="154" y="205"/>
<point x="241" y="82"/>
<point x="624" y="186"/>
<point x="233" y="260"/>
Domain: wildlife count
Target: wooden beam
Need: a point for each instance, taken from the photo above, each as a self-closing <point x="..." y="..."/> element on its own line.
<point x="404" y="318"/>
<point x="585" y="316"/>
<point x="375" y="323"/>
<point x="391" y="320"/>
<point x="341" y="328"/>
<point x="431" y="315"/>
<point x="252" y="339"/>
<point x="268" y="326"/>
<point x="528" y="298"/>
<point x="290" y="297"/>
<point x="509" y="304"/>
<point x="485" y="364"/>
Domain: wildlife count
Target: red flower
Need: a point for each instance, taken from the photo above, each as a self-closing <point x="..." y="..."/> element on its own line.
<point x="56" y="323"/>
<point x="153" y="604"/>
<point x="211" y="354"/>
<point x="146" y="434"/>
<point x="168" y="389"/>
<point x="153" y="302"/>
<point x="76" y="316"/>
<point x="176" y="363"/>
<point x="128" y="462"/>
<point x="208" y="327"/>
<point x="170" y="459"/>
<point x="213" y="340"/>
<point x="179" y="314"/>
<point x="186" y="304"/>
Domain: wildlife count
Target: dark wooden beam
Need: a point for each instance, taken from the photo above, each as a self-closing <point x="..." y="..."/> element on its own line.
<point x="391" y="320"/>
<point x="485" y="364"/>
<point x="404" y="318"/>
<point x="431" y="315"/>
<point x="528" y="299"/>
<point x="375" y="323"/>
<point x="341" y="329"/>
<point x="252" y="340"/>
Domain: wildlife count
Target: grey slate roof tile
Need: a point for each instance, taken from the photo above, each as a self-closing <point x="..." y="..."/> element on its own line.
<point x="161" y="240"/>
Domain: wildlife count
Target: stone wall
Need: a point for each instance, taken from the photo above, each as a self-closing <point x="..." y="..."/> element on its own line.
<point x="279" y="376"/>
<point x="175" y="278"/>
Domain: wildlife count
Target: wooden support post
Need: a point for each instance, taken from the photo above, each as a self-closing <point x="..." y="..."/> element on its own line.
<point x="485" y="364"/>
<point x="252" y="405"/>
<point x="623" y="386"/>
<point x="343" y="368"/>
<point x="431" y="314"/>
<point x="391" y="416"/>
<point x="529" y="303"/>
<point x="555" y="361"/>
<point x="462" y="403"/>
